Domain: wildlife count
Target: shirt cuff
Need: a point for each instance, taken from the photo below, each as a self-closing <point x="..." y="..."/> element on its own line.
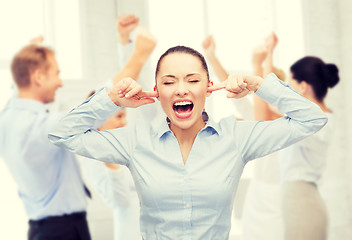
<point x="271" y="88"/>
<point x="101" y="104"/>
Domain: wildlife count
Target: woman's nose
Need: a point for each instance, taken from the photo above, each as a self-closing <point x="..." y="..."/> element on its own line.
<point x="181" y="89"/>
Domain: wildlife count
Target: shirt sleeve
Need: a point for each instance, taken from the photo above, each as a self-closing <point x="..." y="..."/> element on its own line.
<point x="124" y="52"/>
<point x="112" y="185"/>
<point x="75" y="132"/>
<point x="303" y="118"/>
<point x="244" y="107"/>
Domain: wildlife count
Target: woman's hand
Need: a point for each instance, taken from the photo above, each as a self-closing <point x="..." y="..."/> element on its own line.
<point x="125" y="25"/>
<point x="238" y="85"/>
<point x="128" y="93"/>
<point x="145" y="42"/>
<point x="209" y="46"/>
<point x="259" y="55"/>
<point x="271" y="41"/>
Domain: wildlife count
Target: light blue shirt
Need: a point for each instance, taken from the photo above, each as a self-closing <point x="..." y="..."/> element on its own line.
<point x="192" y="201"/>
<point x="48" y="178"/>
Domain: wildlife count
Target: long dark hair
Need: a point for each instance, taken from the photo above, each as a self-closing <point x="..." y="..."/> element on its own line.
<point x="316" y="73"/>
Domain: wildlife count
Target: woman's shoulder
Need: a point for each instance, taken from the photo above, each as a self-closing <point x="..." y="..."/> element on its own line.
<point x="224" y="124"/>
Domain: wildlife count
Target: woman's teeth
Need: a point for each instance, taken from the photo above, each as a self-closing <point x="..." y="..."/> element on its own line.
<point x="184" y="106"/>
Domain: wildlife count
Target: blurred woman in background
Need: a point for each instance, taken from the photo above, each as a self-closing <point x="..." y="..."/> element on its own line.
<point x="301" y="164"/>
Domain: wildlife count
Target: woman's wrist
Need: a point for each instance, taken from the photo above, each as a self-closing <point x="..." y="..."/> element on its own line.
<point x="260" y="80"/>
<point x="124" y="39"/>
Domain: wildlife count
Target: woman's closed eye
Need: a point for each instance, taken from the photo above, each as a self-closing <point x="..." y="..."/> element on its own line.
<point x="193" y="80"/>
<point x="168" y="82"/>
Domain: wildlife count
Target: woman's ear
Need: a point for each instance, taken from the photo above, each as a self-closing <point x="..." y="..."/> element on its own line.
<point x="304" y="88"/>
<point x="307" y="89"/>
<point x="156" y="90"/>
<point x="211" y="83"/>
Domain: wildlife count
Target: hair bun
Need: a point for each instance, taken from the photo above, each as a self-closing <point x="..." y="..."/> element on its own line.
<point x="331" y="75"/>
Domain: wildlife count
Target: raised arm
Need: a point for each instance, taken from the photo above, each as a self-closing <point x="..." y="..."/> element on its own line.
<point x="144" y="46"/>
<point x="303" y="117"/>
<point x="209" y="49"/>
<point x="270" y="43"/>
<point x="126" y="24"/>
<point x="76" y="132"/>
<point x="263" y="65"/>
<point x="259" y="55"/>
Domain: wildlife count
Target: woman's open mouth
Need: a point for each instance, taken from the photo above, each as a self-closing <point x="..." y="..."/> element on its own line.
<point x="183" y="108"/>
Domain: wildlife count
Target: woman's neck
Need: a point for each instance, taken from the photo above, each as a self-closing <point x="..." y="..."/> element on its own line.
<point x="323" y="107"/>
<point x="189" y="134"/>
<point x="186" y="137"/>
<point x="321" y="104"/>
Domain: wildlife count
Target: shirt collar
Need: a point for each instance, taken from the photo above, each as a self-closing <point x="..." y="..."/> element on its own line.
<point x="161" y="127"/>
<point x="25" y="103"/>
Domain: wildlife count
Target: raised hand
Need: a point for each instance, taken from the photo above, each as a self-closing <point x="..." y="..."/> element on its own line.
<point x="209" y="46"/>
<point x="259" y="55"/>
<point x="145" y="42"/>
<point x="271" y="41"/>
<point x="128" y="93"/>
<point x="125" y="25"/>
<point x="238" y="85"/>
<point x="37" y="40"/>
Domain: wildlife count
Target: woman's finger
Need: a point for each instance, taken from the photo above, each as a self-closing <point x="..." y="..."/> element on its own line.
<point x="237" y="84"/>
<point x="129" y="88"/>
<point x="145" y="101"/>
<point x="122" y="86"/>
<point x="149" y="94"/>
<point x="232" y="84"/>
<point x="217" y="87"/>
<point x="238" y="94"/>
<point x="241" y="82"/>
<point x="134" y="90"/>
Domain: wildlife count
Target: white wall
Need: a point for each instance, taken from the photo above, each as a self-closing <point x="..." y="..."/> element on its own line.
<point x="328" y="35"/>
<point x="99" y="46"/>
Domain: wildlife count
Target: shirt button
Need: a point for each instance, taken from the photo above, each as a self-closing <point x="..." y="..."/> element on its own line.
<point x="187" y="231"/>
<point x="187" y="205"/>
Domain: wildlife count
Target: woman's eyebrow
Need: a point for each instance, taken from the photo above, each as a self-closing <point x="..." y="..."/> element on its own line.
<point x="168" y="76"/>
<point x="192" y="74"/>
<point x="188" y="75"/>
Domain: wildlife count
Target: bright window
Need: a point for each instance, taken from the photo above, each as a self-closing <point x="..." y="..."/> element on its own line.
<point x="176" y="23"/>
<point x="237" y="26"/>
<point x="66" y="25"/>
<point x="58" y="21"/>
<point x="24" y="26"/>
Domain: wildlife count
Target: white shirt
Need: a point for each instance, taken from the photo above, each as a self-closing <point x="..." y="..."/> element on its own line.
<point x="117" y="189"/>
<point x="306" y="159"/>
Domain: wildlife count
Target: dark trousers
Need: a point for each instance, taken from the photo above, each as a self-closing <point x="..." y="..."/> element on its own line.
<point x="67" y="227"/>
